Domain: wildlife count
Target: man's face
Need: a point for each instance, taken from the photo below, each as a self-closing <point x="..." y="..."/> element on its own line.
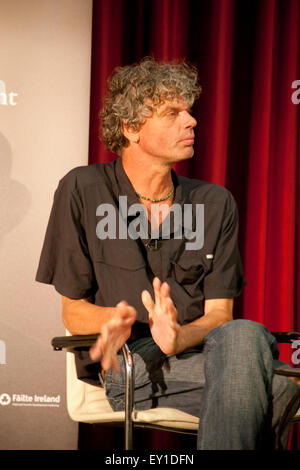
<point x="168" y="134"/>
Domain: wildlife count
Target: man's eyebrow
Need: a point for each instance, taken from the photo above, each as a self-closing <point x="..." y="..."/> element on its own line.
<point x="173" y="108"/>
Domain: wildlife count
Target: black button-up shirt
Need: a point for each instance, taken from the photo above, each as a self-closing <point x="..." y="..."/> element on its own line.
<point x="80" y="264"/>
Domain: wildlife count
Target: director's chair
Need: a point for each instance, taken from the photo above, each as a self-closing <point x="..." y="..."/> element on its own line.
<point x="87" y="403"/>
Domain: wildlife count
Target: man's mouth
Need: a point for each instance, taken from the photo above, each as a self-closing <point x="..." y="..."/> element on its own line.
<point x="188" y="140"/>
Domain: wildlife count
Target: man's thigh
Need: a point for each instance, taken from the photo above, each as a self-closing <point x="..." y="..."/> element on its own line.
<point x="160" y="380"/>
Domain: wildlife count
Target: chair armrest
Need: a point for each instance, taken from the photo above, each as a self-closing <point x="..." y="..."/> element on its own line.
<point x="76" y="341"/>
<point x="286" y="336"/>
<point x="288" y="372"/>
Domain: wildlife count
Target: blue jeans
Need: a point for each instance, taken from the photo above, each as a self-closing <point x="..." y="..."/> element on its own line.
<point x="227" y="381"/>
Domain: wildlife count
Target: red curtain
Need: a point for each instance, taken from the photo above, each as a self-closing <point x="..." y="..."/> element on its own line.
<point x="247" y="139"/>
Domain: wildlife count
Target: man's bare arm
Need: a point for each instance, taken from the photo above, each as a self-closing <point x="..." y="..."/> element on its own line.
<point x="216" y="312"/>
<point x="173" y="338"/>
<point x="81" y="317"/>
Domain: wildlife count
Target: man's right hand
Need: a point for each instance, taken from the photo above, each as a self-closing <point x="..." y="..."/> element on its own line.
<point x="113" y="336"/>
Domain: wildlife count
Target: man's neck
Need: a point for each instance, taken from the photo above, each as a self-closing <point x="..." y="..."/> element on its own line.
<point x="151" y="179"/>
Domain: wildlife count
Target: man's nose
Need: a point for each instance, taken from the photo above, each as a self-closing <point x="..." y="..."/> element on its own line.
<point x="189" y="120"/>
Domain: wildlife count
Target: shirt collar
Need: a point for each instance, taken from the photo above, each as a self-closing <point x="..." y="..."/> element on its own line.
<point x="126" y="188"/>
<point x="124" y="184"/>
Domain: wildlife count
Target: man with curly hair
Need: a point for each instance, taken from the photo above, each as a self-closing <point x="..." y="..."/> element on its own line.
<point x="171" y="302"/>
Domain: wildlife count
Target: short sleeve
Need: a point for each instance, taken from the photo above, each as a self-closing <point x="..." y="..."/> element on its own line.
<point x="226" y="278"/>
<point x="65" y="261"/>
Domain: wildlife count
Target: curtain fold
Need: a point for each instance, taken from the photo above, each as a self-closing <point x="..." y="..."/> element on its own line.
<point x="259" y="163"/>
<point x="283" y="174"/>
<point x="169" y="30"/>
<point x="270" y="244"/>
<point x="107" y="33"/>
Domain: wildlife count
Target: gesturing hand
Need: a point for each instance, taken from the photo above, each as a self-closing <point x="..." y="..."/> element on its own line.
<point x="113" y="336"/>
<point x="162" y="316"/>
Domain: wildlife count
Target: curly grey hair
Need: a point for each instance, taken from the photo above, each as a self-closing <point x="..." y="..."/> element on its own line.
<point x="132" y="88"/>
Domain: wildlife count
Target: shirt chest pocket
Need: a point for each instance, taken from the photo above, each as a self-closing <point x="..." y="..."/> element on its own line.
<point x="120" y="254"/>
<point x="191" y="268"/>
<point x="121" y="274"/>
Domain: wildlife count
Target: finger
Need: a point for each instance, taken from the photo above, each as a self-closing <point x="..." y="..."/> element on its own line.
<point x="106" y="362"/>
<point x="148" y="301"/>
<point x="116" y="365"/>
<point x="107" y="350"/>
<point x="156" y="283"/>
<point x="171" y="309"/>
<point x="126" y="311"/>
<point x="109" y="358"/>
<point x="96" y="350"/>
<point x="122" y="307"/>
<point x="157" y="294"/>
<point x="165" y="297"/>
<point x="168" y="308"/>
<point x="165" y="289"/>
<point x="123" y="303"/>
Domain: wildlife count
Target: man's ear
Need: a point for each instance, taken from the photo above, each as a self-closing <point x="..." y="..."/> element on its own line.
<point x="132" y="135"/>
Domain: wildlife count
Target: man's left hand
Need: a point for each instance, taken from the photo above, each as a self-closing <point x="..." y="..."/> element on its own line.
<point x="162" y="317"/>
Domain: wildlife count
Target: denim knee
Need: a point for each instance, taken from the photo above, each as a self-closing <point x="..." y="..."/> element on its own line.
<point x="245" y="328"/>
<point x="247" y="333"/>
